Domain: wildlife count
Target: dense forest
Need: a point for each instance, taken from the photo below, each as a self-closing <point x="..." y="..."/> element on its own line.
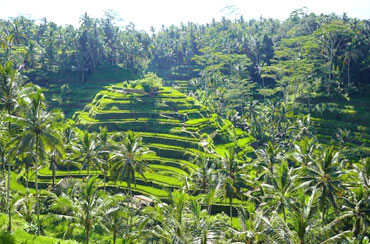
<point x="235" y="131"/>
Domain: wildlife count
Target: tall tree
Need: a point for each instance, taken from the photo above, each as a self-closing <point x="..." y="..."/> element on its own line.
<point x="38" y="135"/>
<point x="11" y="91"/>
<point x="325" y="174"/>
<point x="233" y="176"/>
<point x="90" y="148"/>
<point x="128" y="159"/>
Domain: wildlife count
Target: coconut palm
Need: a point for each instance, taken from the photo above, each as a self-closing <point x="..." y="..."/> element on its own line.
<point x="249" y="218"/>
<point x="182" y="221"/>
<point x="63" y="206"/>
<point x="89" y="148"/>
<point x="356" y="208"/>
<point x="115" y="215"/>
<point x="70" y="141"/>
<point x="90" y="205"/>
<point x="3" y="200"/>
<point x="203" y="176"/>
<point x="350" y="54"/>
<point x="266" y="161"/>
<point x="25" y="207"/>
<point x="214" y="193"/>
<point x="106" y="143"/>
<point x="233" y="175"/>
<point x="204" y="229"/>
<point x="11" y="92"/>
<point x="304" y="221"/>
<point x="128" y="159"/>
<point x="38" y="135"/>
<point x="55" y="158"/>
<point x="82" y="205"/>
<point x="325" y="174"/>
<point x="3" y="152"/>
<point x="278" y="195"/>
<point x="304" y="151"/>
<point x="362" y="171"/>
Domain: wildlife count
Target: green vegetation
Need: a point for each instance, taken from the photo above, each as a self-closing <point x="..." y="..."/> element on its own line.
<point x="231" y="132"/>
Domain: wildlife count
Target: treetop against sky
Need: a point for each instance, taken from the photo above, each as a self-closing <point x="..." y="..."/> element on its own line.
<point x="147" y="13"/>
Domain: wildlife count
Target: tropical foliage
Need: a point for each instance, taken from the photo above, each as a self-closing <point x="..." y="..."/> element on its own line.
<point x="240" y="158"/>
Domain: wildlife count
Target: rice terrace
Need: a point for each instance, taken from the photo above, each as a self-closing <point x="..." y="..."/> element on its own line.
<point x="231" y="130"/>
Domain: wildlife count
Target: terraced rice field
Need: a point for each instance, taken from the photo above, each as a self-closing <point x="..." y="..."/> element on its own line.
<point x="350" y="114"/>
<point x="174" y="126"/>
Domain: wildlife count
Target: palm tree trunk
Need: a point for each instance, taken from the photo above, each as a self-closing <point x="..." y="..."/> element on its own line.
<point x="114" y="236"/>
<point x="88" y="170"/>
<point x="104" y="179"/>
<point x="3" y="166"/>
<point x="53" y="176"/>
<point x="27" y="177"/>
<point x="8" y="199"/>
<point x="348" y="78"/>
<point x="330" y="71"/>
<point x="37" y="188"/>
<point x="8" y="188"/>
<point x="82" y="76"/>
<point x="87" y="235"/>
<point x="231" y="210"/>
<point x="87" y="226"/>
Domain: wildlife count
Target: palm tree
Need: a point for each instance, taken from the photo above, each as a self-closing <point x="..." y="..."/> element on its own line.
<point x="356" y="208"/>
<point x="350" y="54"/>
<point x="251" y="221"/>
<point x="214" y="193"/>
<point x="362" y="171"/>
<point x="162" y="223"/>
<point x="83" y="205"/>
<point x="25" y="207"/>
<point x="203" y="229"/>
<point x="325" y="175"/>
<point x="114" y="216"/>
<point x="304" y="151"/>
<point x="90" y="149"/>
<point x="65" y="205"/>
<point x="279" y="193"/>
<point x="11" y="92"/>
<point x="90" y="206"/>
<point x="3" y="151"/>
<point x="70" y="141"/>
<point x="252" y="112"/>
<point x="233" y="176"/>
<point x="38" y="135"/>
<point x="16" y="34"/>
<point x="106" y="142"/>
<point x="305" y="223"/>
<point x="204" y="175"/>
<point x="182" y="221"/>
<point x="267" y="159"/>
<point x="127" y="159"/>
<point x="55" y="157"/>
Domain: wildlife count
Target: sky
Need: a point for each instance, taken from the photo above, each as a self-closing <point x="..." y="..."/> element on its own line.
<point x="147" y="13"/>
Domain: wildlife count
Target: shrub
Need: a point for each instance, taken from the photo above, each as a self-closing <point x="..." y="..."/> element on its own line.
<point x="151" y="83"/>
